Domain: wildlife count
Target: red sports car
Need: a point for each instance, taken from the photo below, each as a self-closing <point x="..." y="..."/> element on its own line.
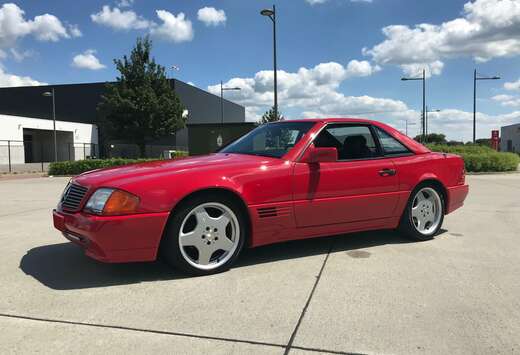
<point x="282" y="181"/>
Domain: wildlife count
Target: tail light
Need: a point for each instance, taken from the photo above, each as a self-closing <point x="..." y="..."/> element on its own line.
<point x="462" y="179"/>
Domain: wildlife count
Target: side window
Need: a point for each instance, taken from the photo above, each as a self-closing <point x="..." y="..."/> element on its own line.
<point x="351" y="141"/>
<point x="389" y="144"/>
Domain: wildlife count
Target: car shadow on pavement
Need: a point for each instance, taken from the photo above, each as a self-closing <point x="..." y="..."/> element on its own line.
<point x="65" y="267"/>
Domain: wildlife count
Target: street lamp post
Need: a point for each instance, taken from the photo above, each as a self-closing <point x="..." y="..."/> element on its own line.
<point x="475" y="78"/>
<point x="222" y="89"/>
<point x="427" y="112"/>
<point x="423" y="119"/>
<point x="271" y="13"/>
<point x="52" y="94"/>
<point x="408" y="124"/>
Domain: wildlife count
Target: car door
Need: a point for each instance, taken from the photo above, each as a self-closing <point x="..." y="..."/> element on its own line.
<point x="362" y="185"/>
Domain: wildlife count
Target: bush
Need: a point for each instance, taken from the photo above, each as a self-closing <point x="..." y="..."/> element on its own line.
<point x="479" y="158"/>
<point x="80" y="166"/>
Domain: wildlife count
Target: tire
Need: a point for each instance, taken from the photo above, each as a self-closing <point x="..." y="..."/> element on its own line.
<point x="205" y="235"/>
<point x="424" y="213"/>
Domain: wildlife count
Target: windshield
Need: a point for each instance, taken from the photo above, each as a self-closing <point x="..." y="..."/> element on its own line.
<point x="270" y="140"/>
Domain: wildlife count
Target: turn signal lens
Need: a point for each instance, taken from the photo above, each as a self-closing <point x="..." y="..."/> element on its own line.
<point x="121" y="202"/>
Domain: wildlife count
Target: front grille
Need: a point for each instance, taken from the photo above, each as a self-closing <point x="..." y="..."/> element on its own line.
<point x="72" y="197"/>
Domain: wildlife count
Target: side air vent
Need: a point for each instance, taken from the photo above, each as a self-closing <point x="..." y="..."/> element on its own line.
<point x="267" y="212"/>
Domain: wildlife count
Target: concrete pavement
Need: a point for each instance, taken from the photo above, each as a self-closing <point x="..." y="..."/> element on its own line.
<point x="361" y="293"/>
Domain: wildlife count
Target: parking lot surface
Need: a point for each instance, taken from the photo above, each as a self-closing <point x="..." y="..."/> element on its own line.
<point x="371" y="292"/>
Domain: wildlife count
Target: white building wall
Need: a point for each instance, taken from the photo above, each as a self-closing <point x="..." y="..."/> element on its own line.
<point x="12" y="129"/>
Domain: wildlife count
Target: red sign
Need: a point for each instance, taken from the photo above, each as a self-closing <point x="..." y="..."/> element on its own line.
<point x="494" y="139"/>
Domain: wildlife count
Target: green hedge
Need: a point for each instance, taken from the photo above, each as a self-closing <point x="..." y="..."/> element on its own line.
<point x="478" y="158"/>
<point x="69" y="168"/>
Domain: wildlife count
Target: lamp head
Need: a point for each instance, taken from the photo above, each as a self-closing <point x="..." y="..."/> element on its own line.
<point x="47" y="94"/>
<point x="267" y="12"/>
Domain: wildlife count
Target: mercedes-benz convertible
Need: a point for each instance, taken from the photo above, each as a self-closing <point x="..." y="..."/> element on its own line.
<point x="282" y="181"/>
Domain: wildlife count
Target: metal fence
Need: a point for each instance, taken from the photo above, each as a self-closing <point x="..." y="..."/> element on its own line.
<point x="27" y="156"/>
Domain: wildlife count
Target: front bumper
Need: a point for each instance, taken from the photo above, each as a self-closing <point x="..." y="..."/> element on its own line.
<point x="456" y="197"/>
<point x="114" y="239"/>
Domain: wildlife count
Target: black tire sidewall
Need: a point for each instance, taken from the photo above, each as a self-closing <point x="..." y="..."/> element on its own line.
<point x="406" y="224"/>
<point x="170" y="248"/>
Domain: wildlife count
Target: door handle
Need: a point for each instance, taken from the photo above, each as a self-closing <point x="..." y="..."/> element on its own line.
<point x="387" y="172"/>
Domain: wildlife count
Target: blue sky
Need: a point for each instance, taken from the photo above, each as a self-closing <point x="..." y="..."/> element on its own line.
<point x="333" y="55"/>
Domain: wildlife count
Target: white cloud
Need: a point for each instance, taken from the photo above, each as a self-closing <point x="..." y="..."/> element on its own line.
<point x="361" y="68"/>
<point x="315" y="2"/>
<point x="14" y="26"/>
<point x="125" y="3"/>
<point x="211" y="16"/>
<point x="308" y="90"/>
<point x="87" y="60"/>
<point x="75" y="31"/>
<point x="415" y="69"/>
<point x="488" y="29"/>
<point x="313" y="92"/>
<point x="8" y="80"/>
<point x="20" y="55"/>
<point x="515" y="85"/>
<point x="507" y="100"/>
<point x="119" y="19"/>
<point x="174" y="28"/>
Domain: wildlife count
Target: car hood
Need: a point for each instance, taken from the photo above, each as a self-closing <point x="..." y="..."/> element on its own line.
<point x="122" y="175"/>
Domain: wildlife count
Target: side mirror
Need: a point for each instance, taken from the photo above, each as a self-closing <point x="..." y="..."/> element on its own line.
<point x="315" y="155"/>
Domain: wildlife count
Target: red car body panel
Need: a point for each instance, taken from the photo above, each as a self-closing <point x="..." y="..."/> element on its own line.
<point x="308" y="200"/>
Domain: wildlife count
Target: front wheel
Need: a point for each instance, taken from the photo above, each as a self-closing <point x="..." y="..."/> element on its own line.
<point x="205" y="235"/>
<point x="424" y="214"/>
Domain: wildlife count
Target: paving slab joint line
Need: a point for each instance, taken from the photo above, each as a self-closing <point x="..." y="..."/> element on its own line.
<point x="304" y="310"/>
<point x="164" y="332"/>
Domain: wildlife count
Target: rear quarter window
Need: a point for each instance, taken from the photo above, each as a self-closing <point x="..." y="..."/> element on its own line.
<point x="389" y="144"/>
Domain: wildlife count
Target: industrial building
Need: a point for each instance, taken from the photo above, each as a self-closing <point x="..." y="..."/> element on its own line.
<point x="510" y="138"/>
<point x="26" y="125"/>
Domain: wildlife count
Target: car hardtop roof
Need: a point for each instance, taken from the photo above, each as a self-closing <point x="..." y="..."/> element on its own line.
<point x="407" y="141"/>
<point x="328" y="120"/>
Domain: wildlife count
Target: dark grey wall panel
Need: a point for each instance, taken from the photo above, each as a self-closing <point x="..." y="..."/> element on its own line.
<point x="205" y="107"/>
<point x="78" y="102"/>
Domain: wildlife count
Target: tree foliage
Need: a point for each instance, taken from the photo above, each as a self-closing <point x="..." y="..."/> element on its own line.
<point x="271" y="116"/>
<point x="141" y="105"/>
<point x="436" y="138"/>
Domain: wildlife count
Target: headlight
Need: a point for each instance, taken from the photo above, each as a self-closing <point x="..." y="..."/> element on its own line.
<point x="110" y="202"/>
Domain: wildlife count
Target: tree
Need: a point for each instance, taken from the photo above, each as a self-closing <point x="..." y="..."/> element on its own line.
<point x="141" y="105"/>
<point x="435" y="138"/>
<point x="271" y="116"/>
<point x="484" y="141"/>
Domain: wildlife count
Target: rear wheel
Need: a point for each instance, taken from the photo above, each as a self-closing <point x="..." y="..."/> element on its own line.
<point x="205" y="235"/>
<point x="424" y="213"/>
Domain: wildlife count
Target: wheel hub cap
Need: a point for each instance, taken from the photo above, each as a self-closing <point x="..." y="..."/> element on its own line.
<point x="209" y="235"/>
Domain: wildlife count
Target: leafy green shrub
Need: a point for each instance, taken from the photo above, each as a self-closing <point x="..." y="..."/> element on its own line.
<point x="180" y="153"/>
<point x="80" y="166"/>
<point x="479" y="158"/>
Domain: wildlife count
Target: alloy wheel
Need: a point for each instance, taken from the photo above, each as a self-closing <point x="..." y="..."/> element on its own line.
<point x="209" y="236"/>
<point x="426" y="211"/>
